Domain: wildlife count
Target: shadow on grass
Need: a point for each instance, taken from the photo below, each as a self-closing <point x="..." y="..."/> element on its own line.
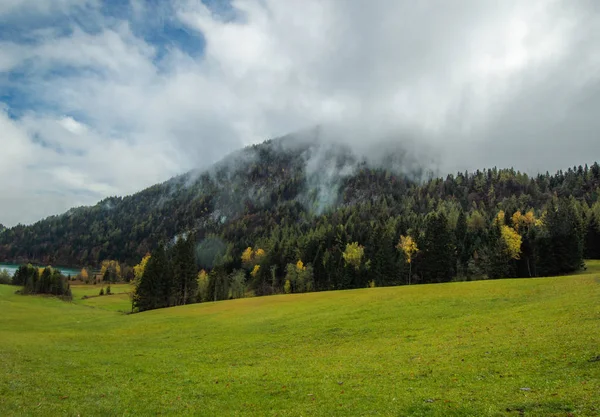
<point x="548" y="408"/>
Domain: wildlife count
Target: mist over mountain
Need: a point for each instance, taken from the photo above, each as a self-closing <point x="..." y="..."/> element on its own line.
<point x="292" y="183"/>
<point x="306" y="173"/>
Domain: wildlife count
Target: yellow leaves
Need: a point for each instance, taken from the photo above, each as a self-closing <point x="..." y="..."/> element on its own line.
<point x="287" y="287"/>
<point x="529" y="218"/>
<point x="252" y="257"/>
<point x="540" y="222"/>
<point x="255" y="271"/>
<point x="500" y="219"/>
<point x="516" y="220"/>
<point x="353" y="255"/>
<point x="408" y="245"/>
<point x="112" y="266"/>
<point x="203" y="282"/>
<point x="512" y="240"/>
<point x="84" y="274"/>
<point x="300" y="266"/>
<point x="139" y="269"/>
<point x="521" y="221"/>
<point x="247" y="255"/>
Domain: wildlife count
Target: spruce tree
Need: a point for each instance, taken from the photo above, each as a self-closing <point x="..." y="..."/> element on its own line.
<point x="560" y="242"/>
<point x="592" y="238"/>
<point x="185" y="285"/>
<point x="462" y="250"/>
<point x="437" y="252"/>
<point x="152" y="291"/>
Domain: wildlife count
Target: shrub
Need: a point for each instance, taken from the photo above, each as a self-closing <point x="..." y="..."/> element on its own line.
<point x="5" y="277"/>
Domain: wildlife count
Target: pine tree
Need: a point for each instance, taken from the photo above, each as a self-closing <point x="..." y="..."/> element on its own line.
<point x="438" y="260"/>
<point x="560" y="242"/>
<point x="154" y="287"/>
<point x="460" y="239"/>
<point x="592" y="237"/>
<point x="183" y="262"/>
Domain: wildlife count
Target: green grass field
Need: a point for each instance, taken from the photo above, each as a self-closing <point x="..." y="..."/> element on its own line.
<point x="486" y="348"/>
<point x="118" y="301"/>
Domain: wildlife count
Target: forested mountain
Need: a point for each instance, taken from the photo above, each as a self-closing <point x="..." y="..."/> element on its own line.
<point x="316" y="205"/>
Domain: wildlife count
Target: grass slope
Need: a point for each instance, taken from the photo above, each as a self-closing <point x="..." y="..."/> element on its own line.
<point x="118" y="301"/>
<point x="487" y="348"/>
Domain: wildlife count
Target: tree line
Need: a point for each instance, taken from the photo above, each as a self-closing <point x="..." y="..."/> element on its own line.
<point x="46" y="280"/>
<point x="259" y="227"/>
<point x="366" y="246"/>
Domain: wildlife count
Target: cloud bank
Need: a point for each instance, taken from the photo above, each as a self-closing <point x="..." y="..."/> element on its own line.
<point x="104" y="98"/>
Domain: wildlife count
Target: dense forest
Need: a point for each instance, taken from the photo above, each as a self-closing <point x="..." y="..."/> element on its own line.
<point x="298" y="215"/>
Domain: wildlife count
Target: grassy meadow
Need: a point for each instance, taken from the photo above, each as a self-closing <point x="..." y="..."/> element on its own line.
<point x="486" y="348"/>
<point x="118" y="301"/>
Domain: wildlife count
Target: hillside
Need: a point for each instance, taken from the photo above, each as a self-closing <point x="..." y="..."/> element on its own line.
<point x="299" y="198"/>
<point x="283" y="178"/>
<point x="486" y="348"/>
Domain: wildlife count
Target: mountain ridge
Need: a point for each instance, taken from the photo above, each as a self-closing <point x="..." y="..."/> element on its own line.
<point x="299" y="197"/>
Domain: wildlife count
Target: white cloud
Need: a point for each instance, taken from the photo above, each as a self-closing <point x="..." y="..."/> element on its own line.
<point x="484" y="83"/>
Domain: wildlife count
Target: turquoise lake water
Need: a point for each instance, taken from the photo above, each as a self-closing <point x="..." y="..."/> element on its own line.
<point x="11" y="268"/>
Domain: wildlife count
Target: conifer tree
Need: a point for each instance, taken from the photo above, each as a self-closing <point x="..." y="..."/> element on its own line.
<point x="184" y="271"/>
<point x="592" y="236"/>
<point x="438" y="260"/>
<point x="560" y="242"/>
<point x="154" y="287"/>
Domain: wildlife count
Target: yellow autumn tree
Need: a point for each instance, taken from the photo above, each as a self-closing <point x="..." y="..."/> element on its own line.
<point x="517" y="220"/>
<point x="500" y="220"/>
<point x="300" y="266"/>
<point x="353" y="255"/>
<point x="139" y="269"/>
<point x="247" y="256"/>
<point x="84" y="275"/>
<point x="259" y="254"/>
<point x="113" y="268"/>
<point x="252" y="257"/>
<point x="522" y="221"/>
<point x="512" y="241"/>
<point x="255" y="271"/>
<point x="529" y="218"/>
<point x="203" y="285"/>
<point x="409" y="247"/>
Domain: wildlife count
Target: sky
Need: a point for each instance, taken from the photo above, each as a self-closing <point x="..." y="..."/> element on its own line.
<point x="102" y="98"/>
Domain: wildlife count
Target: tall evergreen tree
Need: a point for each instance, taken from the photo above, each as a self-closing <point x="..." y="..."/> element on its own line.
<point x="592" y="237"/>
<point x="462" y="249"/>
<point x="437" y="260"/>
<point x="184" y="271"/>
<point x="154" y="287"/>
<point x="560" y="242"/>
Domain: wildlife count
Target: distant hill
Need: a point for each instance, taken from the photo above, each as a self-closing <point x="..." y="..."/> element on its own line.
<point x="300" y="198"/>
<point x="286" y="178"/>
